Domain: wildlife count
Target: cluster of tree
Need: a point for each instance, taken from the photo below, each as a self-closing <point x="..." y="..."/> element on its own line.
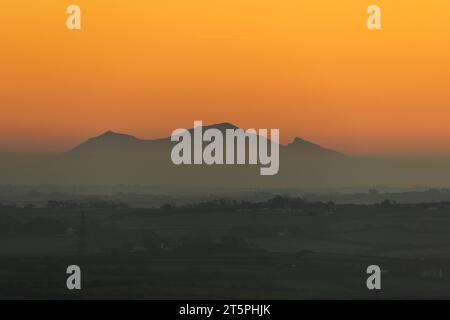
<point x="296" y="204"/>
<point x="277" y="202"/>
<point x="97" y="204"/>
<point x="373" y="196"/>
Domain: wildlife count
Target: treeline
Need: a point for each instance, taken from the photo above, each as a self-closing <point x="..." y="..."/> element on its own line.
<point x="95" y="204"/>
<point x="281" y="203"/>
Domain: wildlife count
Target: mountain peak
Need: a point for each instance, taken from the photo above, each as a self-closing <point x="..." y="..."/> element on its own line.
<point x="108" y="139"/>
<point x="309" y="146"/>
<point x="221" y="126"/>
<point x="111" y="135"/>
<point x="226" y="124"/>
<point x="298" y="140"/>
<point x="301" y="142"/>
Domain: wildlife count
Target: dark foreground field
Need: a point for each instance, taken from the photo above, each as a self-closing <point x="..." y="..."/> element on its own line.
<point x="245" y="276"/>
<point x="279" y="249"/>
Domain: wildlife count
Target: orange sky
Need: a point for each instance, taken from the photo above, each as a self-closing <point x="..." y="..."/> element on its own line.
<point x="308" y="67"/>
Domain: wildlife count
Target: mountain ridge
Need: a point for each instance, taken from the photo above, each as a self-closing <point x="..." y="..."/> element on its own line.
<point x="109" y="138"/>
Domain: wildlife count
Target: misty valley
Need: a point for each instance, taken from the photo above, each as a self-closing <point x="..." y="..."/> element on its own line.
<point x="138" y="225"/>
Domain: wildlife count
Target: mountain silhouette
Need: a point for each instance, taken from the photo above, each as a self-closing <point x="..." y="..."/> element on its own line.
<point x="121" y="158"/>
<point x="113" y="158"/>
<point x="119" y="142"/>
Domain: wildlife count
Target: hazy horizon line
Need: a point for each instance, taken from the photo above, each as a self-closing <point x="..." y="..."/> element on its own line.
<point x="42" y="150"/>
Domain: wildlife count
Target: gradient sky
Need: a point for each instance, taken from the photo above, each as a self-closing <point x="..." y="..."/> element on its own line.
<point x="308" y="67"/>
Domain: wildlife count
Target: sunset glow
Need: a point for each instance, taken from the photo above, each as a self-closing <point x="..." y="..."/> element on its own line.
<point x="308" y="67"/>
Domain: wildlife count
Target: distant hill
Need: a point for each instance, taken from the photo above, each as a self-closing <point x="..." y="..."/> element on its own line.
<point x="116" y="158"/>
<point x="118" y="142"/>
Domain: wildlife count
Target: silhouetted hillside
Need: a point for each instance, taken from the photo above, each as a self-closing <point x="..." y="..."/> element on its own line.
<point x="115" y="158"/>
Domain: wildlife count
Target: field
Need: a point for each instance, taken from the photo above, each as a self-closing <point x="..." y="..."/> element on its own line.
<point x="279" y="249"/>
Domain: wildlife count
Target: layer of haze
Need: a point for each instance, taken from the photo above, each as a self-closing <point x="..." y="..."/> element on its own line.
<point x="308" y="67"/>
